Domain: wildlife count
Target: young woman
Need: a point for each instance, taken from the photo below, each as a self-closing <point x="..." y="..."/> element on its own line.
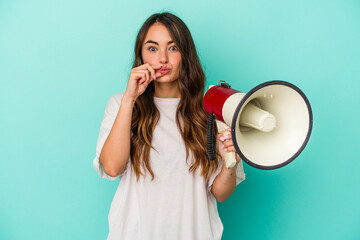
<point x="153" y="136"/>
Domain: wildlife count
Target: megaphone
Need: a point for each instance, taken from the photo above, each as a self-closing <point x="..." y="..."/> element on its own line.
<point x="270" y="125"/>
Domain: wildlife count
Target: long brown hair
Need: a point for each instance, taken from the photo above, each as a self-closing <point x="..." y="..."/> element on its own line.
<point x="191" y="82"/>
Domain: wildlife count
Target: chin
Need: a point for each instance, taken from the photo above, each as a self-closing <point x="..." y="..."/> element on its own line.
<point x="165" y="79"/>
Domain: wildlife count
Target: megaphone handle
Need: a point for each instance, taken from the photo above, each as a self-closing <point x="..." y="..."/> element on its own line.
<point x="229" y="157"/>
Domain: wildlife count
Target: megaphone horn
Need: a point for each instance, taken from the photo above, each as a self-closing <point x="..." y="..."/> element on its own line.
<point x="270" y="125"/>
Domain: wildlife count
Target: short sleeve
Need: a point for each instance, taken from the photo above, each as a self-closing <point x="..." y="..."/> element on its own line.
<point x="240" y="174"/>
<point x="111" y="110"/>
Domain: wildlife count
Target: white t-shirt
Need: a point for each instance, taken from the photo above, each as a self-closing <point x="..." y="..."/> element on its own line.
<point x="175" y="205"/>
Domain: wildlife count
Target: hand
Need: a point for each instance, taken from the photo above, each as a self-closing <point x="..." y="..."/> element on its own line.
<point x="225" y="144"/>
<point x="139" y="79"/>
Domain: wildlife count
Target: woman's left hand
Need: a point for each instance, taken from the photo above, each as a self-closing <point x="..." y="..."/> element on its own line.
<point x="225" y="144"/>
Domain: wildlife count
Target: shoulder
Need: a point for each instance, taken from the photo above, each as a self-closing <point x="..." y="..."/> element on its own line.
<point x="116" y="98"/>
<point x="113" y="103"/>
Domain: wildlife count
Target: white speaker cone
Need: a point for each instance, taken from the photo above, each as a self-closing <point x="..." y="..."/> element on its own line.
<point x="275" y="134"/>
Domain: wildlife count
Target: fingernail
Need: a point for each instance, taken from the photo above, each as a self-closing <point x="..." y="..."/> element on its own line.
<point x="222" y="138"/>
<point x="154" y="76"/>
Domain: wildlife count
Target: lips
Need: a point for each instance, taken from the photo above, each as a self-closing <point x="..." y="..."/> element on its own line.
<point x="164" y="70"/>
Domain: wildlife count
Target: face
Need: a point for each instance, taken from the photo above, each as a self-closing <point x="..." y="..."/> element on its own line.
<point x="158" y="48"/>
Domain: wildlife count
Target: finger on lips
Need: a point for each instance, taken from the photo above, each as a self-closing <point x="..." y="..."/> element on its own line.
<point x="158" y="74"/>
<point x="147" y="73"/>
<point x="152" y="71"/>
<point x="154" y="76"/>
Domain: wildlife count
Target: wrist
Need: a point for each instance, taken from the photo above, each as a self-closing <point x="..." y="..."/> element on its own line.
<point x="128" y="99"/>
<point x="229" y="170"/>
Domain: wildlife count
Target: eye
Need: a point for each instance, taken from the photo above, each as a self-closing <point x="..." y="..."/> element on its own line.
<point x="173" y="48"/>
<point x="152" y="49"/>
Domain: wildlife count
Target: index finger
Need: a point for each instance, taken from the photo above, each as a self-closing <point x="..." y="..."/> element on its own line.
<point x="150" y="68"/>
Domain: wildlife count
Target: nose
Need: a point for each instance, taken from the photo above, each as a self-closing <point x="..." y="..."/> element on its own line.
<point x="163" y="55"/>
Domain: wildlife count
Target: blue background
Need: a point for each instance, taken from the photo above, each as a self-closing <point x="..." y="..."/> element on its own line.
<point x="60" y="61"/>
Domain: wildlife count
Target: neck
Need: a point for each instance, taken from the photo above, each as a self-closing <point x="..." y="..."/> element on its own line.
<point x="167" y="90"/>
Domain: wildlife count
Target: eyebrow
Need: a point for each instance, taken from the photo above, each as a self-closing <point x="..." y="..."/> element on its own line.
<point x="153" y="42"/>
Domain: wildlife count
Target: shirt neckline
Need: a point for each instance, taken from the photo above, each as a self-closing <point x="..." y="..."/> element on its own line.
<point x="166" y="101"/>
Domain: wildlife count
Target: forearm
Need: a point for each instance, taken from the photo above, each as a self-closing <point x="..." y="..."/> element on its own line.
<point x="116" y="150"/>
<point x="224" y="184"/>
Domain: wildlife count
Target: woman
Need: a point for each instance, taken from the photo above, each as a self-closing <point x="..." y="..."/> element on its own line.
<point x="153" y="136"/>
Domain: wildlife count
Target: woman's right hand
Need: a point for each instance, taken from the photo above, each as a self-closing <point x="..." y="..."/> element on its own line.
<point x="139" y="79"/>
